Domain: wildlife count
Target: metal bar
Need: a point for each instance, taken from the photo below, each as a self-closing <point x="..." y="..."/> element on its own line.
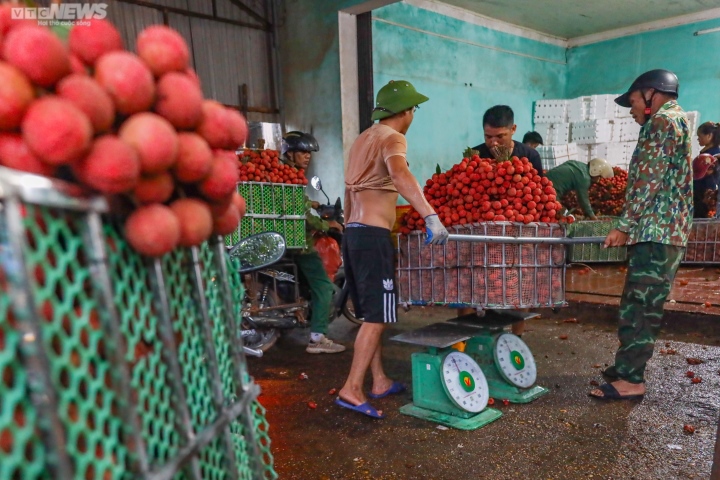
<point x="243" y="387"/>
<point x="42" y="392"/>
<point x="94" y="240"/>
<point x="524" y="240"/>
<point x="251" y="12"/>
<point x="168" y="471"/>
<point x="46" y="191"/>
<point x="277" y="63"/>
<point x="189" y="13"/>
<point x="212" y="361"/>
<point x="170" y="358"/>
<point x="366" y="100"/>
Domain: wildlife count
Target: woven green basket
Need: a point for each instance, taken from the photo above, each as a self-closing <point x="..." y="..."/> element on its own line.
<point x="594" y="253"/>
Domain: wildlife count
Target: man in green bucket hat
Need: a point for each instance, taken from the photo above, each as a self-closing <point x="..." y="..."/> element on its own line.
<point x="376" y="173"/>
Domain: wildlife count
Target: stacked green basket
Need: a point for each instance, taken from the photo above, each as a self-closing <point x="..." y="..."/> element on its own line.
<point x="593" y="252"/>
<point x="272" y="207"/>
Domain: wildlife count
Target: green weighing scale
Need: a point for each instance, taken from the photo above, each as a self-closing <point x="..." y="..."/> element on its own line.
<point x="452" y="387"/>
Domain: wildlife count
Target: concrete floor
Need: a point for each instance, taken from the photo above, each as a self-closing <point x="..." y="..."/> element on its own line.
<point x="563" y="435"/>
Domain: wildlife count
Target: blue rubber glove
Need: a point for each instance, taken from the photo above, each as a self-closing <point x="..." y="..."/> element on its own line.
<point x="436" y="233"/>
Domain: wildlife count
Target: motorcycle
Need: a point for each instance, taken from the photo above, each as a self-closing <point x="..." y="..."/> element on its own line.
<point x="274" y="298"/>
<point x="333" y="212"/>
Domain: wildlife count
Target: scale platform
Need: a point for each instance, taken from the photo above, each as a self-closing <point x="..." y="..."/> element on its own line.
<point x="494" y="364"/>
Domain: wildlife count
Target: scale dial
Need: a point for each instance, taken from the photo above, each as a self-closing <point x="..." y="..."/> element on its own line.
<point x="515" y="361"/>
<point x="465" y="382"/>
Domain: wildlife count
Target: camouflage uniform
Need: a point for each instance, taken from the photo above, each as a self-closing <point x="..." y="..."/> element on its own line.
<point x="657" y="219"/>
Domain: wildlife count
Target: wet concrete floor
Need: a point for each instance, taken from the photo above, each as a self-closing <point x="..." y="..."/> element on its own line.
<point x="562" y="435"/>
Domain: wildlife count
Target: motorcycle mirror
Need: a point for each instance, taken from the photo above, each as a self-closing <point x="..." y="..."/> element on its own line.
<point x="258" y="251"/>
<point x="338" y="203"/>
<point x="316" y="183"/>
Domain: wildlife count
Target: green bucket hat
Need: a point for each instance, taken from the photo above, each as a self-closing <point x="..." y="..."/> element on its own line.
<point x="395" y="97"/>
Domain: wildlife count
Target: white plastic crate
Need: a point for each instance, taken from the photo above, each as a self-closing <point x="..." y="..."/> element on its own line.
<point x="593" y="131"/>
<point x="554" y="133"/>
<point x="577" y="109"/>
<point x="553" y="155"/>
<point x="583" y="153"/>
<point x="693" y="124"/>
<point x="550" y="111"/>
<point x="614" y="153"/>
<point x="622" y="112"/>
<point x="628" y="150"/>
<point x="628" y="129"/>
<point x="600" y="107"/>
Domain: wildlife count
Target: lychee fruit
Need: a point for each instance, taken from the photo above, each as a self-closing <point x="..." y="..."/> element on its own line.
<point x="127" y="80"/>
<point x="153" y="230"/>
<point x="16" y="93"/>
<point x="214" y="125"/>
<point x="16" y="155"/>
<point x="222" y="180"/>
<point x="163" y="50"/>
<point x="196" y="223"/>
<point x="7" y="22"/>
<point x="154" y="189"/>
<point x="193" y="76"/>
<point x="194" y="158"/>
<point x="91" y="39"/>
<point x="227" y="222"/>
<point x="38" y="53"/>
<point x="112" y="166"/>
<point x="77" y="66"/>
<point x="90" y="98"/>
<point x="179" y="100"/>
<point x="56" y="130"/>
<point x="154" y="139"/>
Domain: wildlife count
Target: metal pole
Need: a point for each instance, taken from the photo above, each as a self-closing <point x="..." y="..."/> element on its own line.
<point x="455" y="237"/>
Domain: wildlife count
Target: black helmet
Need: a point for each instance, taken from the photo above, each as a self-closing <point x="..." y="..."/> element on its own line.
<point x="299" y="142"/>
<point x="663" y="81"/>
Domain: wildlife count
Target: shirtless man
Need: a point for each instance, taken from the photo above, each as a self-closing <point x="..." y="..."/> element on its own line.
<point x="376" y="173"/>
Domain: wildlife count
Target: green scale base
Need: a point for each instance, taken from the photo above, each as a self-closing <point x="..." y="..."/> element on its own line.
<point x="430" y="399"/>
<point x="474" y="422"/>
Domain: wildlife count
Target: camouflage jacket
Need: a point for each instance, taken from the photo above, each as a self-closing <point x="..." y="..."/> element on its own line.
<point x="659" y="195"/>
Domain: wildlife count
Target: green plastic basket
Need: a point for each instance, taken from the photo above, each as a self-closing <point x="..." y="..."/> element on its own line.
<point x="272" y="207"/>
<point x="116" y="366"/>
<point x="594" y="253"/>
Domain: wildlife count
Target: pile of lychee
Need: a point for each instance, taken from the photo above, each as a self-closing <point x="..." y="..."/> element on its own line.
<point x="122" y="123"/>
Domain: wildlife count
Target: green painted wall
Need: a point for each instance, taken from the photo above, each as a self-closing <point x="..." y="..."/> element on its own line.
<point x="610" y="66"/>
<point x="464" y="69"/>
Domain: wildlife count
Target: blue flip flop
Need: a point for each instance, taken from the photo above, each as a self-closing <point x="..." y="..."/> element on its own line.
<point x="611" y="393"/>
<point x="364" y="408"/>
<point x="396" y="387"/>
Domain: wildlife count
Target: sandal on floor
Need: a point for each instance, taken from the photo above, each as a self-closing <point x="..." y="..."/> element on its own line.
<point x="364" y="408"/>
<point x="611" y="393"/>
<point x="396" y="387"/>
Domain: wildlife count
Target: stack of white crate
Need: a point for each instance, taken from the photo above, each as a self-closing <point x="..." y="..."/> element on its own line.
<point x="553" y="155"/>
<point x="595" y="126"/>
<point x="551" y="121"/>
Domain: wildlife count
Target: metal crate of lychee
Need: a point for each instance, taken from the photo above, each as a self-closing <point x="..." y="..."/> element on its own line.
<point x="703" y="247"/>
<point x="484" y="275"/>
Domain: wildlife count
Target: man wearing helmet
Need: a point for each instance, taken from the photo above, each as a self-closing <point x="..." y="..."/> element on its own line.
<point x="376" y="172"/>
<point x="574" y="176"/>
<point x="297" y="150"/>
<point x="655" y="225"/>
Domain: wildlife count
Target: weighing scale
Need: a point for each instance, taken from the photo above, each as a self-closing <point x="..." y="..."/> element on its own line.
<point x="452" y="387"/>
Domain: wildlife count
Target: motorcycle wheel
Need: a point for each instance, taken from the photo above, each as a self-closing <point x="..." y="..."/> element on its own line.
<point x="264" y="338"/>
<point x="349" y="311"/>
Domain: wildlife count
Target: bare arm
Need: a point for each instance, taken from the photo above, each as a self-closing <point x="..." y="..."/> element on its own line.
<point x="407" y="185"/>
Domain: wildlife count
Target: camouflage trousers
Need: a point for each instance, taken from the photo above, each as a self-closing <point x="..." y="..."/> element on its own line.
<point x="651" y="271"/>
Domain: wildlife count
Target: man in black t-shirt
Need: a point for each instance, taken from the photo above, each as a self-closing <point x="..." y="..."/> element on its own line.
<point x="499" y="127"/>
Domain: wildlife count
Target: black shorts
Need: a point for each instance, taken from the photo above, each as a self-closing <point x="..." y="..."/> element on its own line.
<point x="369" y="259"/>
